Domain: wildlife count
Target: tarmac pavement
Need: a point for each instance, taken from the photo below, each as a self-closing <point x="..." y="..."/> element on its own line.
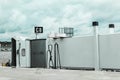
<point x="52" y="74"/>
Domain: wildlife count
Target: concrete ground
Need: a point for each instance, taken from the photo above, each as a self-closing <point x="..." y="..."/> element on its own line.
<point x="51" y="74"/>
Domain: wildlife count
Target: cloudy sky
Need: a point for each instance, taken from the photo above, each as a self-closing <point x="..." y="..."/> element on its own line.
<point x="18" y="17"/>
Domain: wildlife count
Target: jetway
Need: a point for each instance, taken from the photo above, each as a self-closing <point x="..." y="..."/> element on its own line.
<point x="109" y="51"/>
<point x="80" y="52"/>
<point x="30" y="53"/>
<point x="64" y="51"/>
<point x="76" y="52"/>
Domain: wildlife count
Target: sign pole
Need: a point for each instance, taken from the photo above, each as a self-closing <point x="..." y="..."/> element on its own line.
<point x="36" y="35"/>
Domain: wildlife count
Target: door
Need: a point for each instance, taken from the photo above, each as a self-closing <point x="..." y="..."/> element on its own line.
<point x="13" y="62"/>
<point x="38" y="57"/>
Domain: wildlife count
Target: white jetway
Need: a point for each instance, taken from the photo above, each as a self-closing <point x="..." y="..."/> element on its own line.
<point x="87" y="52"/>
<point x="76" y="52"/>
<point x="109" y="51"/>
<point x="79" y="52"/>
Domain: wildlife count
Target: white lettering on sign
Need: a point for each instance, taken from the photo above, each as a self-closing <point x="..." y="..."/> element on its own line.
<point x="38" y="29"/>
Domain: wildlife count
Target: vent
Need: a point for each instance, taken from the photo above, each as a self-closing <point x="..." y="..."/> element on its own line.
<point x="95" y="23"/>
<point x="111" y="26"/>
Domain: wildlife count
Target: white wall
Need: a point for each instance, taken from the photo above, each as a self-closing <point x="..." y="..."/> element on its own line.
<point x="76" y="52"/>
<point x="110" y="51"/>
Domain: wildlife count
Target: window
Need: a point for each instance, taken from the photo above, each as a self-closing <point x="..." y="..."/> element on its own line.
<point x="23" y="52"/>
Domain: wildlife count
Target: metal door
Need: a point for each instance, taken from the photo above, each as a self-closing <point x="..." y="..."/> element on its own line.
<point x="13" y="62"/>
<point x="38" y="57"/>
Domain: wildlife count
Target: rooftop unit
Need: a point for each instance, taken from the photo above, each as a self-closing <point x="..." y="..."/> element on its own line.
<point x="67" y="30"/>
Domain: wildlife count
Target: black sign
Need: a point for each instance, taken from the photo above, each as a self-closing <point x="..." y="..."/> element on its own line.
<point x="95" y="23"/>
<point x="38" y="29"/>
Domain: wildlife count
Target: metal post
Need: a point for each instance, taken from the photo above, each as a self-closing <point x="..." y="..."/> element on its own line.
<point x="97" y="56"/>
<point x="36" y="35"/>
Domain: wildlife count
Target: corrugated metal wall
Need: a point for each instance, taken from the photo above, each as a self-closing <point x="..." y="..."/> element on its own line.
<point x="80" y="51"/>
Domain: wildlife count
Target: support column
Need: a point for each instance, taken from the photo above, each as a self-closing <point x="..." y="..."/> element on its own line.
<point x="97" y="55"/>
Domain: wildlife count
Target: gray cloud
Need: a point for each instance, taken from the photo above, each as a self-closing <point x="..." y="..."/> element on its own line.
<point x="18" y="17"/>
